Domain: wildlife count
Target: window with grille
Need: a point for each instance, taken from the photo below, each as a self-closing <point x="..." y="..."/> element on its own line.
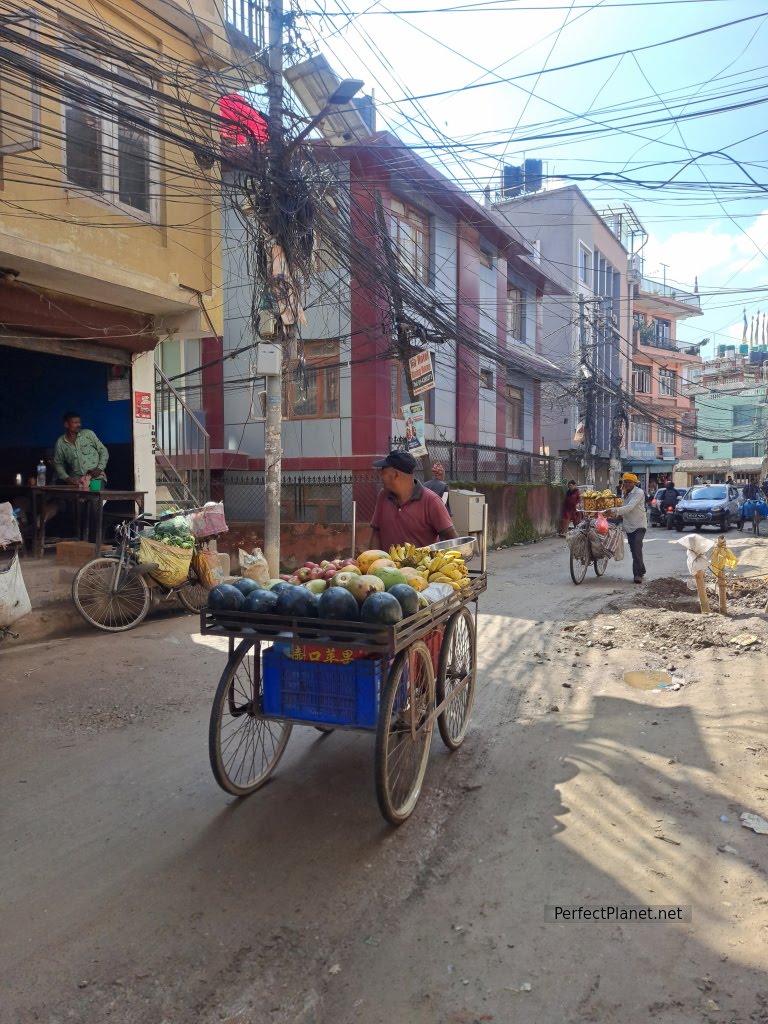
<point x="667" y="383"/>
<point x="663" y="331"/>
<point x="666" y="431"/>
<point x="640" y="430"/>
<point x="746" y="449"/>
<point x="486" y="379"/>
<point x="744" y="416"/>
<point x="311" y="390"/>
<point x="409" y="228"/>
<point x="515" y="311"/>
<point x="514" y="408"/>
<point x="109" y="149"/>
<point x="641" y="380"/>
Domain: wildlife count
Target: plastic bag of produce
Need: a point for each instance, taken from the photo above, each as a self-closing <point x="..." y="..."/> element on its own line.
<point x="436" y="592"/>
<point x="207" y="568"/>
<point x="14" y="599"/>
<point x="9" y="528"/>
<point x="172" y="563"/>
<point x="254" y="565"/>
<point x="209" y="521"/>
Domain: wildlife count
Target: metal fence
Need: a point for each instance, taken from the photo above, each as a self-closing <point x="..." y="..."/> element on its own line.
<point x="309" y="497"/>
<point x="325" y="498"/>
<point x="481" y="462"/>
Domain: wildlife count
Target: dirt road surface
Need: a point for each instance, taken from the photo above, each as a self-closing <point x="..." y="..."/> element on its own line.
<point x="134" y="890"/>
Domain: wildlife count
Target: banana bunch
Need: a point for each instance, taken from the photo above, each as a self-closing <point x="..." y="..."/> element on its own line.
<point x="409" y="556"/>
<point x="447" y="567"/>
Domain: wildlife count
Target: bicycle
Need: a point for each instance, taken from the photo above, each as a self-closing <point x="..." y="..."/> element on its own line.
<point x="112" y="592"/>
<point x="581" y="552"/>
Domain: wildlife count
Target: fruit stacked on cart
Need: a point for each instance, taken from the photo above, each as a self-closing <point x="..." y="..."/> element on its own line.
<point x="377" y="587"/>
<point x="598" y="501"/>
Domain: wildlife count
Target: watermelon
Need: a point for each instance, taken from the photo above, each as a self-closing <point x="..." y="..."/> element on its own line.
<point x="261" y="601"/>
<point x="381" y="608"/>
<point x="407" y="598"/>
<point x="296" y="602"/>
<point x="246" y="586"/>
<point x="225" y="597"/>
<point x="338" y="603"/>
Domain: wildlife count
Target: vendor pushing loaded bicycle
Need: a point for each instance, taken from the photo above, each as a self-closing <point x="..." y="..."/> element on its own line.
<point x="633" y="514"/>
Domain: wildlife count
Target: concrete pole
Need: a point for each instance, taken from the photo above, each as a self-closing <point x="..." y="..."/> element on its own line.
<point x="273" y="451"/>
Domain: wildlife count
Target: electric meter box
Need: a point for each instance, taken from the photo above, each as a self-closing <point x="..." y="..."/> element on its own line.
<point x="269" y="360"/>
<point x="467" y="511"/>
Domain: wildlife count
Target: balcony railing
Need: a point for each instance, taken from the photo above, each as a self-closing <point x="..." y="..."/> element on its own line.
<point x="247" y="18"/>
<point x="668" y="291"/>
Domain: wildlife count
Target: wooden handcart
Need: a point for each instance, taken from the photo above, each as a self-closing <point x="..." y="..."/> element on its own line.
<point x="395" y="681"/>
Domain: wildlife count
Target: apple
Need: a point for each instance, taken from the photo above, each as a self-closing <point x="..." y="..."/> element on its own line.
<point x="305" y="573"/>
<point x="325" y="564"/>
<point x="285" y="576"/>
<point x="294" y="580"/>
<point x="348" y="561"/>
<point x="330" y="573"/>
<point x="310" y="565"/>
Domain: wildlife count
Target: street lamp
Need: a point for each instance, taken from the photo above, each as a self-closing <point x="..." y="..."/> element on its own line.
<point x="341" y="95"/>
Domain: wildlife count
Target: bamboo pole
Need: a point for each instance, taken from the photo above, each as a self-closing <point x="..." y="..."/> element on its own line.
<point x="703" y="600"/>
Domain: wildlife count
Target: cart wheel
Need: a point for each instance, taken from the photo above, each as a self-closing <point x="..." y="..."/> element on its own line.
<point x="579" y="559"/>
<point x="401" y="759"/>
<point x="600" y="564"/>
<point x="244" y="749"/>
<point x="192" y="594"/>
<point x="456" y="664"/>
<point x="110" y="596"/>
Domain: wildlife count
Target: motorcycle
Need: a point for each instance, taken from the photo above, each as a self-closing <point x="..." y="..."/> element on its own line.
<point x="668" y="513"/>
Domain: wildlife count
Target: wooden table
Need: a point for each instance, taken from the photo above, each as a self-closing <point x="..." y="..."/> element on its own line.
<point x="89" y="501"/>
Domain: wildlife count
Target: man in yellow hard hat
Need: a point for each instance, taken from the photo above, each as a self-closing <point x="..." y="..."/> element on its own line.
<point x="632" y="511"/>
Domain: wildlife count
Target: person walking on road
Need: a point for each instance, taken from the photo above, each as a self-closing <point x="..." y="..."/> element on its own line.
<point x="632" y="511"/>
<point x="569" y="513"/>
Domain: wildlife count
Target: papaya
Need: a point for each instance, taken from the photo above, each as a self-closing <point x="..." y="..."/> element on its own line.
<point x="365" y="559"/>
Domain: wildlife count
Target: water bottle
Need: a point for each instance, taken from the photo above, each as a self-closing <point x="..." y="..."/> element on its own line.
<point x="41" y="473"/>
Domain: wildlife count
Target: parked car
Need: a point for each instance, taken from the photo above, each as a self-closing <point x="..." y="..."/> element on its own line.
<point x="658" y="516"/>
<point x="708" y="505"/>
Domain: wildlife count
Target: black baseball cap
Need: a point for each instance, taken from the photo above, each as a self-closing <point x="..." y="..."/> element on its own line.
<point x="403" y="461"/>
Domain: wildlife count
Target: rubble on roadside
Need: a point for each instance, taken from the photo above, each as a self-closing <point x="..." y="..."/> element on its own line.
<point x="666" y="616"/>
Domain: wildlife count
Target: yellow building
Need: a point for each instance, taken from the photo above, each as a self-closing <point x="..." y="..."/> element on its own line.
<point x="110" y="217"/>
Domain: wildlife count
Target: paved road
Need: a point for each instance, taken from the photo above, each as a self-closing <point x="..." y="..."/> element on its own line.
<point x="133" y="889"/>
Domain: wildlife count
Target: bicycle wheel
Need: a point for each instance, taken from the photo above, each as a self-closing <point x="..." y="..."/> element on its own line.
<point x="109" y="595"/>
<point x="244" y="749"/>
<point x="600" y="565"/>
<point x="192" y="594"/>
<point x="457" y="663"/>
<point x="579" y="561"/>
<point x="400" y="757"/>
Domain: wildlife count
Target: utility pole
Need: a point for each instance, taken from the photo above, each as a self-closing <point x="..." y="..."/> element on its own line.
<point x="402" y="344"/>
<point x="273" y="451"/>
<point x="585" y="387"/>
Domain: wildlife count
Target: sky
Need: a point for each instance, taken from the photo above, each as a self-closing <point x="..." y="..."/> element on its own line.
<point x="696" y="183"/>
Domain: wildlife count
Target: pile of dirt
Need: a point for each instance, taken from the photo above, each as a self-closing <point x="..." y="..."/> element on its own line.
<point x="665" y="616"/>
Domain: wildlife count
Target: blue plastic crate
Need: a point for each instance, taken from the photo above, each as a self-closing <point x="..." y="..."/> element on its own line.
<point x="329" y="694"/>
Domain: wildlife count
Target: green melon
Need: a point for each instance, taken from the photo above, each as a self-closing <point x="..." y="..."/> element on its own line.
<point x="389" y="577"/>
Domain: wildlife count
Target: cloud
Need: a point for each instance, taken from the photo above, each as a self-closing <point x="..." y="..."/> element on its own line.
<point x="717" y="255"/>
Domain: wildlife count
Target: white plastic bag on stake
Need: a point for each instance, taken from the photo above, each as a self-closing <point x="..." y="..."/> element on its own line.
<point x="698" y="549"/>
<point x="14" y="599"/>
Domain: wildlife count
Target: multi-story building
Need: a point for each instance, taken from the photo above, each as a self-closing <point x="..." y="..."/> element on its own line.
<point x="730" y="394"/>
<point x="109" y="225"/>
<point x="468" y="288"/>
<point x="582" y="329"/>
<point x="661" y="415"/>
